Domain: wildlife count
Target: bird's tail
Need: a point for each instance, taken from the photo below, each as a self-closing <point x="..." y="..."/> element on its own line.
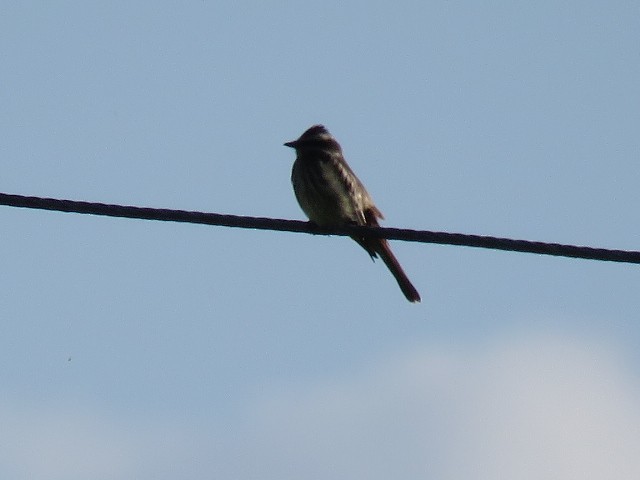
<point x="383" y="249"/>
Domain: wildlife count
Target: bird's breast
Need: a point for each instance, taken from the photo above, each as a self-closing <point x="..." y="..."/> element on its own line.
<point x="327" y="192"/>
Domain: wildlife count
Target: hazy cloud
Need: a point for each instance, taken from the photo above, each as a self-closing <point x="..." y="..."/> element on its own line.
<point x="535" y="407"/>
<point x="542" y="407"/>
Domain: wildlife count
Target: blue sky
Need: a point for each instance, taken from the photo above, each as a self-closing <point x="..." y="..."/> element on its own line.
<point x="136" y="349"/>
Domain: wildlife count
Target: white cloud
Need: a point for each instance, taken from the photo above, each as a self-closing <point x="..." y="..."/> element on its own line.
<point x="537" y="407"/>
<point x="543" y="407"/>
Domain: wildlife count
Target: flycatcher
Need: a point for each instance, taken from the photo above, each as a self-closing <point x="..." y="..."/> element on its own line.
<point x="331" y="195"/>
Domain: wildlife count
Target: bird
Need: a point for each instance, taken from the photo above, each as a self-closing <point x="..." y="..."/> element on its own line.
<point x="331" y="195"/>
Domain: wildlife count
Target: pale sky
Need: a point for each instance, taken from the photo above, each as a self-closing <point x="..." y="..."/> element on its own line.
<point x="148" y="350"/>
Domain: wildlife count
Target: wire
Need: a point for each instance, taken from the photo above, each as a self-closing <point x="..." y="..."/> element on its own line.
<point x="262" y="223"/>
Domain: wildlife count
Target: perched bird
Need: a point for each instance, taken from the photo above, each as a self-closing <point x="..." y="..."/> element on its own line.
<point x="331" y="195"/>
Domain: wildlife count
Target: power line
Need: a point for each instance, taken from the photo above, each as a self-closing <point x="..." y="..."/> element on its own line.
<point x="262" y="223"/>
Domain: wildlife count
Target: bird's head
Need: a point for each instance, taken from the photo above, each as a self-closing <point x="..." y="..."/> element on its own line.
<point x="315" y="138"/>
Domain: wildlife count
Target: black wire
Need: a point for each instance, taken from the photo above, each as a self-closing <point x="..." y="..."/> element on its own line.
<point x="262" y="223"/>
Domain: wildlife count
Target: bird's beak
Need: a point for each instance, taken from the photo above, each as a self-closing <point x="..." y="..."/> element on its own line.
<point x="290" y="144"/>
